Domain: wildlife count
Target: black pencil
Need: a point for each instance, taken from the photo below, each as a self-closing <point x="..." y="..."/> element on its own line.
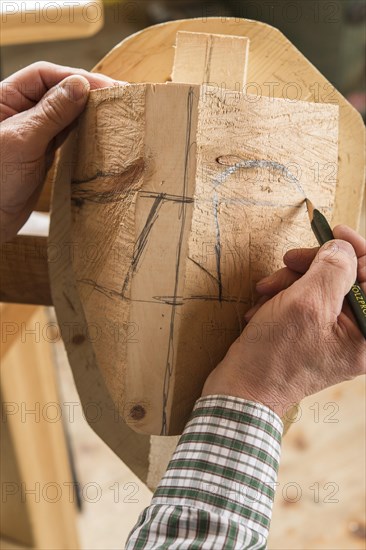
<point x="356" y="296"/>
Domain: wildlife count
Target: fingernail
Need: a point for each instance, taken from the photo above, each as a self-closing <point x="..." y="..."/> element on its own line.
<point x="100" y="80"/>
<point x="347" y="248"/>
<point x="331" y="249"/>
<point x="76" y="87"/>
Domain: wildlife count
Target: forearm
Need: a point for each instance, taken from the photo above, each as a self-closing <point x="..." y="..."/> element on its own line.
<point x="219" y="487"/>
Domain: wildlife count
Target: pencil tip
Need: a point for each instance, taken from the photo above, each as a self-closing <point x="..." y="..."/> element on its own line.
<point x="310" y="208"/>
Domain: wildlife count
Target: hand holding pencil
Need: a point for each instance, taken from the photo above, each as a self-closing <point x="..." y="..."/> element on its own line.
<point x="302" y="335"/>
<point x="356" y="297"/>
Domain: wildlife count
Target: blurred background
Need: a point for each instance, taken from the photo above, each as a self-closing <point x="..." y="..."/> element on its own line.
<point x="330" y="33"/>
<point x="329" y="513"/>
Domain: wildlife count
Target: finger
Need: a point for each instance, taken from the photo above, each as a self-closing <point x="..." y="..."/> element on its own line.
<point x="359" y="244"/>
<point x="23" y="89"/>
<point x="348" y="234"/>
<point x="253" y="310"/>
<point x="328" y="280"/>
<point x="280" y="280"/>
<point x="300" y="259"/>
<point x="56" y="110"/>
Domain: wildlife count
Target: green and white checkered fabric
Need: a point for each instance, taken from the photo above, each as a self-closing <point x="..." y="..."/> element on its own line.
<point x="219" y="487"/>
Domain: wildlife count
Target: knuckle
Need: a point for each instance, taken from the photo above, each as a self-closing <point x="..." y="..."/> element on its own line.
<point x="305" y="307"/>
<point x="41" y="65"/>
<point x="51" y="107"/>
<point x="340" y="255"/>
<point x="14" y="138"/>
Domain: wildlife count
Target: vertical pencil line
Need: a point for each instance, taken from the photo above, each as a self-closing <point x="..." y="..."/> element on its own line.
<point x="182" y="213"/>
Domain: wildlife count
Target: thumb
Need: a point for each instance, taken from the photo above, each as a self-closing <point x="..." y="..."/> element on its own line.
<point x="329" y="278"/>
<point x="58" y="108"/>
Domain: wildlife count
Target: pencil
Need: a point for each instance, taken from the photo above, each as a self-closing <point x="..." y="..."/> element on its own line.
<point x="356" y="296"/>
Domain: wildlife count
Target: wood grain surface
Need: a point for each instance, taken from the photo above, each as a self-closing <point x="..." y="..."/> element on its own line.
<point x="171" y="229"/>
<point x="276" y="69"/>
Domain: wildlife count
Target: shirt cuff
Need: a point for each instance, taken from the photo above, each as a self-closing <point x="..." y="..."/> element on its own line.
<point x="226" y="461"/>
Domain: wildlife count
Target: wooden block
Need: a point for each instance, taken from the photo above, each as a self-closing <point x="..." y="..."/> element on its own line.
<point x="163" y="213"/>
<point x="170" y="236"/>
<point x="213" y="59"/>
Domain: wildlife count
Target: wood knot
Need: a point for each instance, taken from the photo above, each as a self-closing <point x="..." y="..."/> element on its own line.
<point x="78" y="339"/>
<point x="228" y="160"/>
<point x="137" y="412"/>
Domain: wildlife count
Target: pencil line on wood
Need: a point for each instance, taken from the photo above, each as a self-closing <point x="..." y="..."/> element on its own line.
<point x="203" y="269"/>
<point x="261" y="163"/>
<point x="182" y="217"/>
<point x="142" y="240"/>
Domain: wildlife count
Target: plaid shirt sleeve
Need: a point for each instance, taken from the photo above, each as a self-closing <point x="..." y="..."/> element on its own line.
<point x="219" y="487"/>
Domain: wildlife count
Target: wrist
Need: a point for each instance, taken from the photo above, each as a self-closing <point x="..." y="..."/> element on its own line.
<point x="279" y="407"/>
<point x="228" y="381"/>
